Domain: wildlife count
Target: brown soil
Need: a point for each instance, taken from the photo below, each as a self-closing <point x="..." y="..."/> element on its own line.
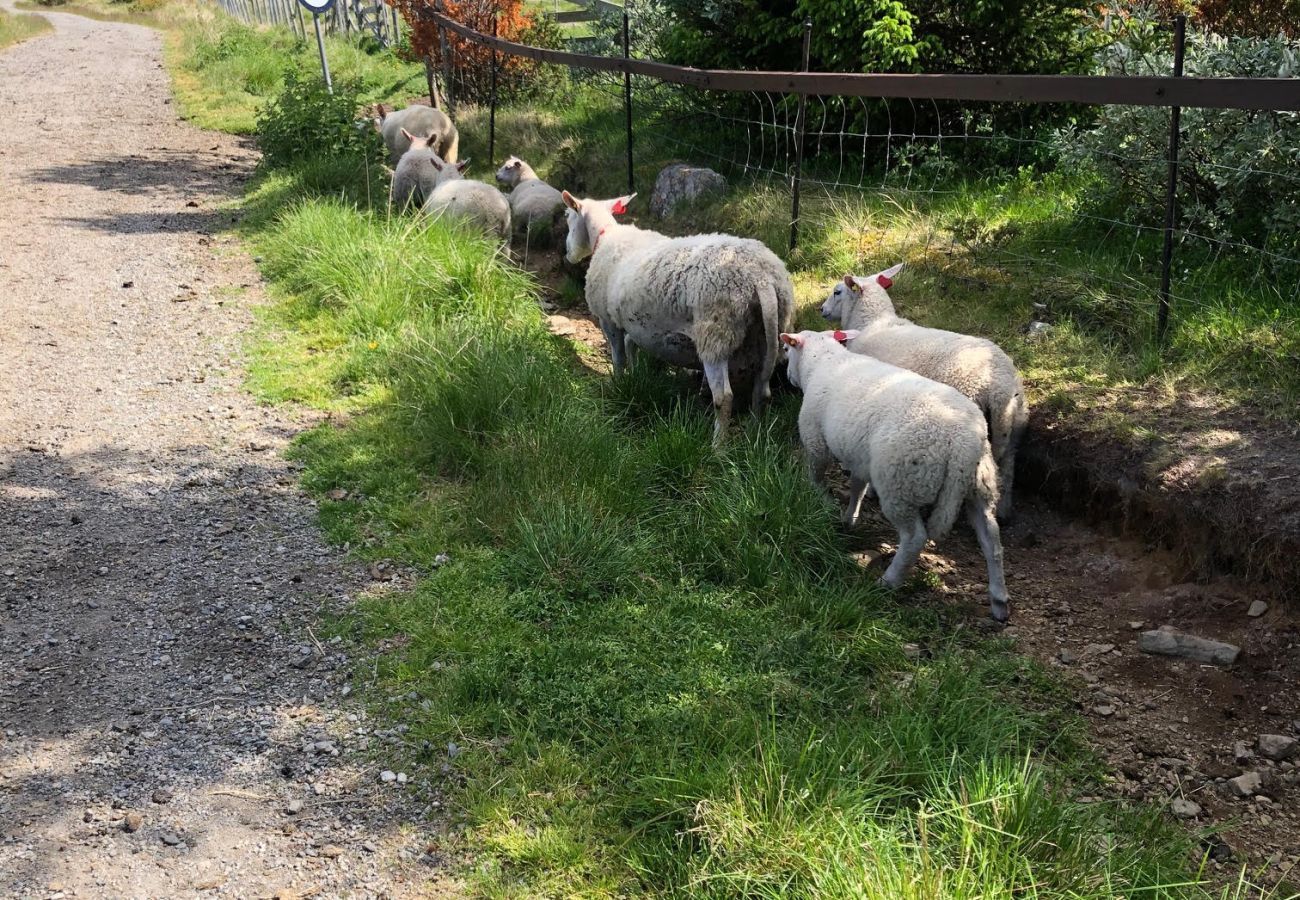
<point x="1084" y="587"/>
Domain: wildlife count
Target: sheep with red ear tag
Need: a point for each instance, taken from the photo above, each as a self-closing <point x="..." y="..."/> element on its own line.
<point x="459" y="198"/>
<point x="710" y="301"/>
<point x="921" y="445"/>
<point x="975" y="366"/>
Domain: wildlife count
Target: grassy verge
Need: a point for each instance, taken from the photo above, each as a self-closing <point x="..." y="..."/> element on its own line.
<point x="647" y="667"/>
<point x="19" y="27"/>
<point x="643" y="667"/>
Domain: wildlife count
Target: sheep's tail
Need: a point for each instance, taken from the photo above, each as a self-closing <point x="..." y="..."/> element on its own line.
<point x="957" y="488"/>
<point x="767" y="305"/>
<point x="1008" y="416"/>
<point x="451" y="148"/>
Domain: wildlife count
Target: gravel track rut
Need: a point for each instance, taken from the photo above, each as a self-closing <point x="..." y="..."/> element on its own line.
<point x="171" y="724"/>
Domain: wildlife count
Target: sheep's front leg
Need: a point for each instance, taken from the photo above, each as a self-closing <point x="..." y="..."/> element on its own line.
<point x="616" y="338"/>
<point x="981" y="519"/>
<point x="857" y="487"/>
<point x="911" y="541"/>
<point x="720" y="386"/>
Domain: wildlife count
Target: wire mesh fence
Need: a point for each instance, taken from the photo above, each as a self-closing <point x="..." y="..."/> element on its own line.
<point x="362" y="18"/>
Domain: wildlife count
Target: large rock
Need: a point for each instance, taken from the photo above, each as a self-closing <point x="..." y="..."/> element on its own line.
<point x="1277" y="746"/>
<point x="1169" y="641"/>
<point x="679" y="182"/>
<point x="1246" y="785"/>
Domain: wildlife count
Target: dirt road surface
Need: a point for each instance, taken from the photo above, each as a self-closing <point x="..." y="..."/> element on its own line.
<point x="172" y="724"/>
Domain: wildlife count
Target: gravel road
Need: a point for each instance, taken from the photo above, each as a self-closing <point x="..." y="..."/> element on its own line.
<point x="173" y="723"/>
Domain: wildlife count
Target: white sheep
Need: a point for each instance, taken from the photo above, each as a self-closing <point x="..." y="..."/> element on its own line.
<point x="416" y="176"/>
<point x="920" y="444"/>
<point x="531" y="199"/>
<point x="712" y="301"/>
<point x="397" y="126"/>
<point x="975" y="366"/>
<point x="471" y="201"/>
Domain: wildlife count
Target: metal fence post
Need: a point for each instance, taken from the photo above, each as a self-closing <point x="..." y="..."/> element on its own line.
<point x="627" y="100"/>
<point x="492" y="114"/>
<point x="1171" y="190"/>
<point x="446" y="65"/>
<point x="796" y="176"/>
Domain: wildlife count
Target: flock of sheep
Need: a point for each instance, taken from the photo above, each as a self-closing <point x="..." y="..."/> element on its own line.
<point x="925" y="421"/>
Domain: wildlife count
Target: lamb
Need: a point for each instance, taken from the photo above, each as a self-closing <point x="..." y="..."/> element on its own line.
<point x="531" y="199"/>
<point x="921" y="444"/>
<point x="709" y="301"/>
<point x="397" y="126"/>
<point x="472" y="201"/>
<point x="415" y="176"/>
<point x="975" y="366"/>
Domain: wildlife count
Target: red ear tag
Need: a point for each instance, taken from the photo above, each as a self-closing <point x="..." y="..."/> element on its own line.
<point x="840" y="336"/>
<point x="884" y="281"/>
<point x="618" y="208"/>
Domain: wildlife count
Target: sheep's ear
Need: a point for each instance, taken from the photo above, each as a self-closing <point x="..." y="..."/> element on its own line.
<point x="436" y="163"/>
<point x="791" y="340"/>
<point x="852" y="284"/>
<point x="620" y="205"/>
<point x="462" y="165"/>
<point x="410" y="137"/>
<point x="571" y="201"/>
<point x="845" y="336"/>
<point x="886" y="278"/>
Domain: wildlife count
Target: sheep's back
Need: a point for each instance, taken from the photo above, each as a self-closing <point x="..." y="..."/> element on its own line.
<point x="971" y="365"/>
<point x="900" y="429"/>
<point x="473" y="201"/>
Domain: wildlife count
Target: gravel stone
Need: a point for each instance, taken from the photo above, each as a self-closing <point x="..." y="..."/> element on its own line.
<point x="1184" y="809"/>
<point x="1277" y="746"/>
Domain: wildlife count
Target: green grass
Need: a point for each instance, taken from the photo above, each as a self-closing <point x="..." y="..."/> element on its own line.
<point x="662" y="670"/>
<point x="225" y="73"/>
<point x="15" y="27"/>
<point x="648" y="668"/>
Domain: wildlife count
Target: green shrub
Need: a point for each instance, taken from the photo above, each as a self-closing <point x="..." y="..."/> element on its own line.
<point x="1237" y="173"/>
<point x="307" y="120"/>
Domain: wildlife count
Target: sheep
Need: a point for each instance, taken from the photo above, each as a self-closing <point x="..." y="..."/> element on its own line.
<point x="473" y="201"/>
<point x="975" y="366"/>
<point x="397" y="126"/>
<point x="711" y="301"/>
<point x="415" y="175"/>
<point x="922" y="445"/>
<point x="531" y="199"/>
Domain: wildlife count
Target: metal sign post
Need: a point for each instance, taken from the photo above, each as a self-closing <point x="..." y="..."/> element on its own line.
<point x="317" y="7"/>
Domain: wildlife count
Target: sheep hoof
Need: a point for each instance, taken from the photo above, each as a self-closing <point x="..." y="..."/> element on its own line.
<point x="1000" y="610"/>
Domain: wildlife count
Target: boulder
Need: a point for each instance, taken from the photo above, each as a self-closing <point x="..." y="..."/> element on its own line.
<point x="1169" y="641"/>
<point x="678" y="182"/>
<point x="1277" y="746"/>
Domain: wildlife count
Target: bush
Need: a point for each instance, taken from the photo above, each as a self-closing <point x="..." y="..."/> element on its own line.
<point x="1237" y="173"/>
<point x="307" y="120"/>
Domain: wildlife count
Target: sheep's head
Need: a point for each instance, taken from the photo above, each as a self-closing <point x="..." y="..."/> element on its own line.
<point x="587" y="220"/>
<point x="795" y="346"/>
<point x="852" y="289"/>
<point x="424" y="142"/>
<point x="448" y="171"/>
<point x="510" y="171"/>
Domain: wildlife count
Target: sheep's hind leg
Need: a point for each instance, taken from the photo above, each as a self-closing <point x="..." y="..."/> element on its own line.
<point x="911" y="541"/>
<point x="981" y="519"/>
<point x="616" y="338"/>
<point x="857" y="487"/>
<point x="720" y="387"/>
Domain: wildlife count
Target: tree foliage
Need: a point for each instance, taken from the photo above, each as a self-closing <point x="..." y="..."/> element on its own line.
<point x="1239" y="172"/>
